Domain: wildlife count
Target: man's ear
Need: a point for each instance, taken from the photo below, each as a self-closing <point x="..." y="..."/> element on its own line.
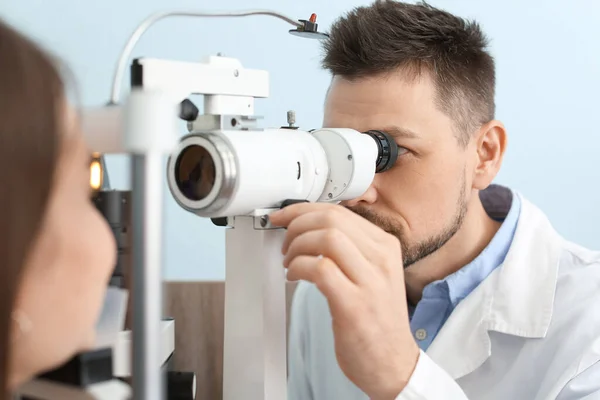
<point x="491" y="145"/>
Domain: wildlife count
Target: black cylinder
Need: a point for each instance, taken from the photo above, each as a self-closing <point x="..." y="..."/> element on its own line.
<point x="387" y="150"/>
<point x="115" y="207"/>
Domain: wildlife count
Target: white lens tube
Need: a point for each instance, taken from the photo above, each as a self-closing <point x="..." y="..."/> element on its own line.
<point x="352" y="159"/>
<point x="236" y="172"/>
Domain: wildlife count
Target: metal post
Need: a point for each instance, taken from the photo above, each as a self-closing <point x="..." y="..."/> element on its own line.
<point x="147" y="212"/>
<point x="254" y="365"/>
<point x="150" y="134"/>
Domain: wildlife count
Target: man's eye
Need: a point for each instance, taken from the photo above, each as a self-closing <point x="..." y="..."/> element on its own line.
<point x="402" y="150"/>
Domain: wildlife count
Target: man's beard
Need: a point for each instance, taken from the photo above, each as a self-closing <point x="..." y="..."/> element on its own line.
<point x="411" y="253"/>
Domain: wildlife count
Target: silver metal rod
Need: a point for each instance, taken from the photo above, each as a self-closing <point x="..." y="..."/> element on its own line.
<point x="147" y="214"/>
<point x="148" y="22"/>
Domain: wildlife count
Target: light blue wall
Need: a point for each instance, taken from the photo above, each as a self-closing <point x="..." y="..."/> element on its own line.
<point x="548" y="60"/>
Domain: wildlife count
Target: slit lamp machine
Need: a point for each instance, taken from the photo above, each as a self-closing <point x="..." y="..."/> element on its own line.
<point x="218" y="170"/>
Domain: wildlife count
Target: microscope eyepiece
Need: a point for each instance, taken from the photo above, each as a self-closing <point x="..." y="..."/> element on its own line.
<point x="195" y="172"/>
<point x="387" y="150"/>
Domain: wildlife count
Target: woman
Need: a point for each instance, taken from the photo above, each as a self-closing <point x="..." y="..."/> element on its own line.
<point x="57" y="252"/>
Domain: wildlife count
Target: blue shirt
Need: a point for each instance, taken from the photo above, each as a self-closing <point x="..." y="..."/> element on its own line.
<point x="441" y="297"/>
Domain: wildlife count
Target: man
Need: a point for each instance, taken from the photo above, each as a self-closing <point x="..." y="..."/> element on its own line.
<point x="434" y="284"/>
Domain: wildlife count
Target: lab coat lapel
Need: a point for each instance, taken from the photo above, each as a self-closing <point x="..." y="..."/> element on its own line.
<point x="463" y="343"/>
<point x="516" y="299"/>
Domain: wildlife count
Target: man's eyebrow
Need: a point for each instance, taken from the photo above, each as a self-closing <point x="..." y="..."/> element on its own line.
<point x="399" y="132"/>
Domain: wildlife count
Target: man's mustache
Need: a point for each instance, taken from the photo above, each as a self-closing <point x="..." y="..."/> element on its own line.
<point x="374" y="218"/>
<point x="363" y="212"/>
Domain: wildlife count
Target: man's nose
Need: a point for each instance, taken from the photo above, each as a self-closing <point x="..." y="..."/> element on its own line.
<point x="368" y="197"/>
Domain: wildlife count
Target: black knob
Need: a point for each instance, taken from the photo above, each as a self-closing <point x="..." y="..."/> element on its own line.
<point x="188" y="110"/>
<point x="219" y="221"/>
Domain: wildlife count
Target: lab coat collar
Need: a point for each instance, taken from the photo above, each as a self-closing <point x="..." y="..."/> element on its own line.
<point x="516" y="299"/>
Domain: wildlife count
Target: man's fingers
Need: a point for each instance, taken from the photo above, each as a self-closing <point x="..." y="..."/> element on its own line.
<point x="323" y="219"/>
<point x="285" y="216"/>
<point x="325" y="275"/>
<point x="370" y="244"/>
<point x="333" y="244"/>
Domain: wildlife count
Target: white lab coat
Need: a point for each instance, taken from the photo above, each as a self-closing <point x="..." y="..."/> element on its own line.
<point x="530" y="331"/>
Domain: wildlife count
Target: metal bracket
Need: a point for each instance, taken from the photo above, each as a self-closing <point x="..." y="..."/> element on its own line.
<point x="210" y="122"/>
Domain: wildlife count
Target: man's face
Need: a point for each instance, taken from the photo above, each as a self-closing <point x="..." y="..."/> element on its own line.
<point x="423" y="199"/>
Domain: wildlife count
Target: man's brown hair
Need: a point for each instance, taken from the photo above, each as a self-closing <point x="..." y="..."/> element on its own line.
<point x="390" y="36"/>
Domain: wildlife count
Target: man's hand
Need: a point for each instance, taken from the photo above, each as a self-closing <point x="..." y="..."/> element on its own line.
<point x="358" y="268"/>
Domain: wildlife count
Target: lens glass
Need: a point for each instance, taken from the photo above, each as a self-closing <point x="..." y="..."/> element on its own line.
<point x="195" y="172"/>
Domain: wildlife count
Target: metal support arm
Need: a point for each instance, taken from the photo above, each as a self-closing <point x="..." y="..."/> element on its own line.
<point x="255" y="315"/>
